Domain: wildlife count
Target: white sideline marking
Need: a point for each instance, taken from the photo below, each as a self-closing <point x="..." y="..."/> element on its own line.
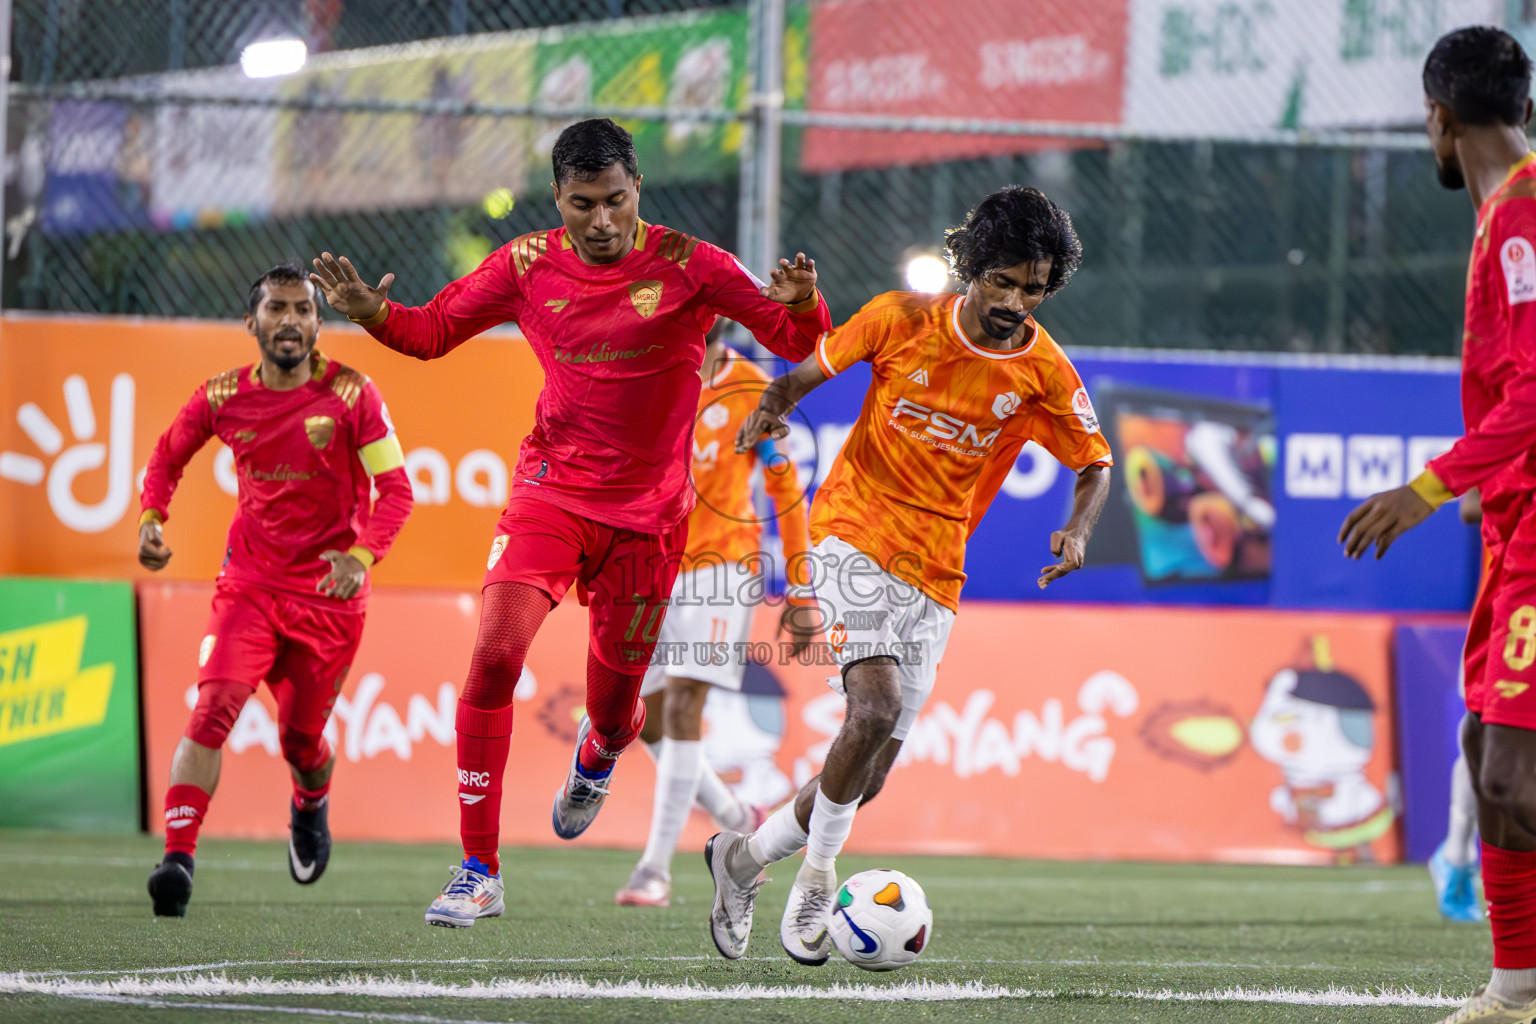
<point x="577" y="988"/>
<point x="123" y="972"/>
<point x="308" y="1011"/>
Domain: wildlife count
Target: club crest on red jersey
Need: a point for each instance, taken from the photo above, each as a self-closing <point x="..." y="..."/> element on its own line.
<point x="646" y="295"/>
<point x="319" y="430"/>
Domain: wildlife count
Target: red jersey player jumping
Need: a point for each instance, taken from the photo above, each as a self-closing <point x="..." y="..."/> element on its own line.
<point x="310" y="437"/>
<point x="616" y="311"/>
<point x="1477" y="97"/>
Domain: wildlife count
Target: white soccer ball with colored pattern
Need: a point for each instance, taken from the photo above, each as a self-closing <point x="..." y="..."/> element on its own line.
<point x="881" y="920"/>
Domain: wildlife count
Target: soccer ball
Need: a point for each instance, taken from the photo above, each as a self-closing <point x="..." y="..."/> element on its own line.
<point x="881" y="920"/>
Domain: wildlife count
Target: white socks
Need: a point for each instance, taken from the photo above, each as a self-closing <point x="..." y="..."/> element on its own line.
<point x="1516" y="986"/>
<point x="1461" y="846"/>
<point x="677" y="782"/>
<point x="779" y="837"/>
<point x="830" y="825"/>
<point x="720" y="802"/>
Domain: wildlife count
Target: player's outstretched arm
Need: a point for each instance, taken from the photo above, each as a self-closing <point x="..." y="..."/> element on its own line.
<point x="486" y="297"/>
<point x="1071" y="541"/>
<point x="787" y="314"/>
<point x="778" y="401"/>
<point x="1382" y="518"/>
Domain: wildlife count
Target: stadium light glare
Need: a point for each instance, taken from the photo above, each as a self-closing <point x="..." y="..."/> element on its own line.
<point x="927" y="274"/>
<point x="272" y="57"/>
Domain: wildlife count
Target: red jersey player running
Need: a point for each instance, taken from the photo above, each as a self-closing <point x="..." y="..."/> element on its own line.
<point x="615" y="310"/>
<point x="310" y="437"/>
<point x="958" y="384"/>
<point x="1477" y="97"/>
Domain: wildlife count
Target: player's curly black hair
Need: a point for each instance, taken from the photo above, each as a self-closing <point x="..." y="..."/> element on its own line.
<point x="1014" y="225"/>
<point x="588" y="148"/>
<point x="1482" y="74"/>
<point x="283" y="273"/>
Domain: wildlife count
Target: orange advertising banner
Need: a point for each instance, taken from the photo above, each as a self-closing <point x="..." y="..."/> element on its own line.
<point x="84" y="399"/>
<point x="1056" y="732"/>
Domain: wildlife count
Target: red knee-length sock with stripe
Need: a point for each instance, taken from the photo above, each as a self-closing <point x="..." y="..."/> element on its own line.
<point x="1509" y="883"/>
<point x="509" y="618"/>
<point x="185" y="805"/>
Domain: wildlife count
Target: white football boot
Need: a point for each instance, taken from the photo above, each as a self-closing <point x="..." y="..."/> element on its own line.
<point x="580" y="798"/>
<point x="647" y="887"/>
<point x="737" y="880"/>
<point x="1486" y="1008"/>
<point x="807" y="916"/>
<point x="468" y="896"/>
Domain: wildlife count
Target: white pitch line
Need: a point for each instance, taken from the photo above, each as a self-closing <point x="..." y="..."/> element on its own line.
<point x="306" y="1011"/>
<point x="577" y="988"/>
<point x="590" y="960"/>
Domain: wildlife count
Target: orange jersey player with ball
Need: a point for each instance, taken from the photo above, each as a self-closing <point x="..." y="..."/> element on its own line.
<point x="959" y="384"/>
<point x="311" y="439"/>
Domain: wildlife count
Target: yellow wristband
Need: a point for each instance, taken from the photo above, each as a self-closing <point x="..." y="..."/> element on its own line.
<point x="378" y="317"/>
<point x="151" y="516"/>
<point x="1429" y="487"/>
<point x="362" y="554"/>
<point x="806" y="305"/>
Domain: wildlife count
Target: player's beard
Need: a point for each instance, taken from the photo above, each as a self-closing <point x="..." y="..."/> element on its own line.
<point x="1000" y="325"/>
<point x="1450" y="176"/>
<point x="280" y="359"/>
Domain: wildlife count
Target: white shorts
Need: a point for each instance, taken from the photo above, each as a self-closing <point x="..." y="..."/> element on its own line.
<point x="699" y="638"/>
<point x="870" y="613"/>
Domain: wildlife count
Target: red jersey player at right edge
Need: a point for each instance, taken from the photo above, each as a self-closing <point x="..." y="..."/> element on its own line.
<point x="1477" y="97"/>
<point x="616" y="310"/>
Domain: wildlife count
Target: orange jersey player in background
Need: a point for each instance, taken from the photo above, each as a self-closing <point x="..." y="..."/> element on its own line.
<point x="959" y="383"/>
<point x="311" y="438"/>
<point x="722" y="581"/>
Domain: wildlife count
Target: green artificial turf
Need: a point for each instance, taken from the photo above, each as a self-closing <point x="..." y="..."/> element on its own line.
<point x="1065" y="931"/>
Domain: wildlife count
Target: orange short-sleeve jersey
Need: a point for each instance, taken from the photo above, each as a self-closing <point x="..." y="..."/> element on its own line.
<point x="942" y="424"/>
<point x="723" y="522"/>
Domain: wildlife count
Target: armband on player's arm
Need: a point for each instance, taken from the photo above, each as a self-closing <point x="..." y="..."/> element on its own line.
<point x="1430" y="487"/>
<point x="382" y="455"/>
<point x="375" y="318"/>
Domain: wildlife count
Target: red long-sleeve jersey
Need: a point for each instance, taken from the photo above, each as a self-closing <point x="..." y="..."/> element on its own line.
<point x="1498" y="361"/>
<point x="620" y="345"/>
<point x="305" y="459"/>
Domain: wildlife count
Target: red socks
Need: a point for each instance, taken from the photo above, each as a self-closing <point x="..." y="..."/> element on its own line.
<point x="616" y="711"/>
<point x="185" y="806"/>
<point x="1509" y="883"/>
<point x="485" y="737"/>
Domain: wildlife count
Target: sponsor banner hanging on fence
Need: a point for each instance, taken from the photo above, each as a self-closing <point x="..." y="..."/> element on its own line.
<point x="1127" y="733"/>
<point x="1426" y="658"/>
<point x="968" y="59"/>
<point x="69" y="706"/>
<point x="83" y="401"/>
<point x="1202" y="67"/>
<point x="327" y="159"/>
<point x="1232" y="477"/>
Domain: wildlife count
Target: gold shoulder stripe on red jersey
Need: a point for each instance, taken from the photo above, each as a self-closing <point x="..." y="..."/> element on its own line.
<point x="348" y="384"/>
<point x="222" y="388"/>
<point x="676" y="246"/>
<point x="318" y="364"/>
<point x="527" y="249"/>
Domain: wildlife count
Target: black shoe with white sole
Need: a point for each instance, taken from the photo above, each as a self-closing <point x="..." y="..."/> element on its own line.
<point x="309" y="842"/>
<point x="170" y="885"/>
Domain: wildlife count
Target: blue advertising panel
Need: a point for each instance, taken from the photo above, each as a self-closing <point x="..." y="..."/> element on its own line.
<point x="1427" y="657"/>
<point x="1233" y="474"/>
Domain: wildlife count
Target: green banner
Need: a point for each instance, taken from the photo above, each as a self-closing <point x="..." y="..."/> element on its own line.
<point x="696" y="60"/>
<point x="69" y="706"/>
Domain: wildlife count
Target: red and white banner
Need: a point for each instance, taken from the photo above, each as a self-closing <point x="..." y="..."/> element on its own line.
<point x="983" y="59"/>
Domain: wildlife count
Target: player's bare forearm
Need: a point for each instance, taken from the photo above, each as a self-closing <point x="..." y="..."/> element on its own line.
<point x="1070" y="543"/>
<point x="778" y="401"/>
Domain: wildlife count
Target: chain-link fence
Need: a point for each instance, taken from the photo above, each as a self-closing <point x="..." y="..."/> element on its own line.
<point x="1243" y="174"/>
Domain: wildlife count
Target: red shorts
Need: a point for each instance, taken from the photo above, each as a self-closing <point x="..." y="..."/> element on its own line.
<point x="1500" y="656"/>
<point x="623" y="576"/>
<point x="301" y="648"/>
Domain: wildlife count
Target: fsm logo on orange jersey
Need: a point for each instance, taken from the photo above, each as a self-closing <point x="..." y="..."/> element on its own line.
<point x="944" y="426"/>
